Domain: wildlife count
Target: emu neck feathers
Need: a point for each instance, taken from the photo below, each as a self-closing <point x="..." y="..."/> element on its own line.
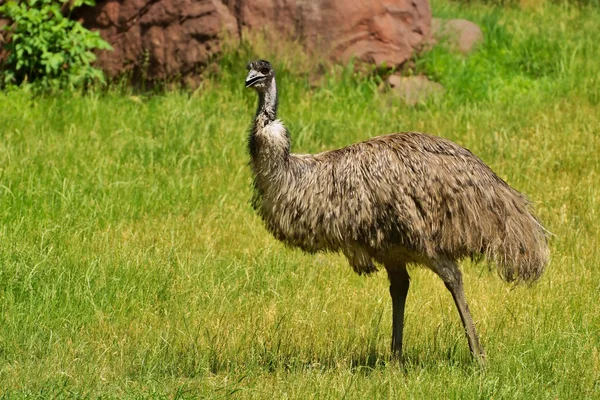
<point x="269" y="141"/>
<point x="267" y="105"/>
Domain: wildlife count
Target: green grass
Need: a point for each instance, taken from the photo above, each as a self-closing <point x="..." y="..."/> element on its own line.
<point x="132" y="265"/>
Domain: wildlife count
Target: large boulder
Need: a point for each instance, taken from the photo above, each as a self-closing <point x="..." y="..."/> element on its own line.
<point x="168" y="38"/>
<point x="375" y="31"/>
<point x="158" y="39"/>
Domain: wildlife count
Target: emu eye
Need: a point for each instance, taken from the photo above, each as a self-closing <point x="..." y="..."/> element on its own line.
<point x="264" y="70"/>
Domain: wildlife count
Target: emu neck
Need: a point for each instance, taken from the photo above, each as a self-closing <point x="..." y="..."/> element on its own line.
<point x="269" y="142"/>
<point x="267" y="106"/>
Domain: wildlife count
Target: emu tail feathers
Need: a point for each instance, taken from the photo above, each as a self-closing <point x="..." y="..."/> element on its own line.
<point x="521" y="254"/>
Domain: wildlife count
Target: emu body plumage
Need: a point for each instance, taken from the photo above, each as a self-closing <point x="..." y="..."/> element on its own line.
<point x="396" y="199"/>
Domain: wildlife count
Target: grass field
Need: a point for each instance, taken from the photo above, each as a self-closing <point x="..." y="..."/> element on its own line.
<point x="132" y="264"/>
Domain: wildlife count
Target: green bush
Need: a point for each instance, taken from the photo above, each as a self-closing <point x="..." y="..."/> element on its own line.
<point x="47" y="48"/>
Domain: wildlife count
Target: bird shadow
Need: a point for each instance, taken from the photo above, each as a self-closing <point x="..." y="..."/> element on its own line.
<point x="366" y="362"/>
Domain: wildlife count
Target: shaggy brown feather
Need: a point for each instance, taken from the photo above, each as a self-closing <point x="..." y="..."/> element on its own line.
<point x="418" y="192"/>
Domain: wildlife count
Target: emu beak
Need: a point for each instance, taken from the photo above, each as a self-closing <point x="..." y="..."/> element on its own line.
<point x="253" y="77"/>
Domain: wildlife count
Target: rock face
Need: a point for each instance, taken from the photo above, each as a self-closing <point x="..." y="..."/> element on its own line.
<point x="169" y="38"/>
<point x="375" y="31"/>
<point x="158" y="38"/>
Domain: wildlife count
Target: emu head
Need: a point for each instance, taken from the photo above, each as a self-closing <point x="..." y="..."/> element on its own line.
<point x="260" y="75"/>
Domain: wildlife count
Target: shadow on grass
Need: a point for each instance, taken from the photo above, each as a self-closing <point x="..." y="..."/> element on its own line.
<point x="366" y="362"/>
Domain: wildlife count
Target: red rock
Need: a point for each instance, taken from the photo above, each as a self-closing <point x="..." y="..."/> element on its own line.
<point x="167" y="38"/>
<point x="377" y="31"/>
<point x="414" y="89"/>
<point x="458" y="34"/>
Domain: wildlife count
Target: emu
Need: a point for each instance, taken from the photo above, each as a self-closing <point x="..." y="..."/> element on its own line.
<point x="403" y="198"/>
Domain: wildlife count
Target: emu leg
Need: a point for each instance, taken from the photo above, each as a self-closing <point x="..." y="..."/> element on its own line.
<point x="452" y="278"/>
<point x="399" y="282"/>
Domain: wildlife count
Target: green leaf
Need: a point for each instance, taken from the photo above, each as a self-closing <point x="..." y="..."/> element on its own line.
<point x="48" y="49"/>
